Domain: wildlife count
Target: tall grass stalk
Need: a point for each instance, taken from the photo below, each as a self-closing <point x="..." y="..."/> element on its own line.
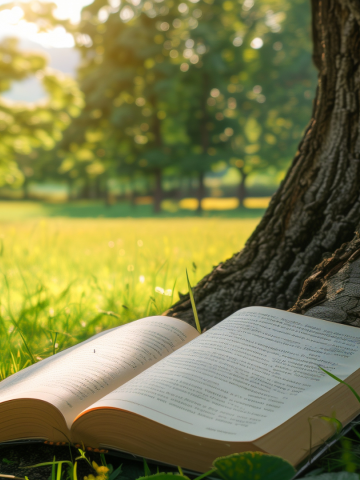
<point x="193" y="304"/>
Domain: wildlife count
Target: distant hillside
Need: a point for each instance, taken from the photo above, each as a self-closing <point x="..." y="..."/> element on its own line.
<point x="64" y="59"/>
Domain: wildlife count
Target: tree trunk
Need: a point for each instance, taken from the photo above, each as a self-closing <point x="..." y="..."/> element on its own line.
<point x="86" y="190"/>
<point x="242" y="188"/>
<point x="70" y="189"/>
<point x="158" y="193"/>
<point x="132" y="192"/>
<point x="98" y="190"/>
<point x="158" y="190"/>
<point x="25" y="186"/>
<point x="205" y="138"/>
<point x="201" y="191"/>
<point x="317" y="205"/>
<point x="109" y="199"/>
<point x="332" y="291"/>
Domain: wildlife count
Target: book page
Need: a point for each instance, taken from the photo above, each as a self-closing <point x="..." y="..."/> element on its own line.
<point x="75" y="378"/>
<point x="244" y="377"/>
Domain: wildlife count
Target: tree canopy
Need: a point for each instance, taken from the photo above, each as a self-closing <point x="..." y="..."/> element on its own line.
<point x="178" y="89"/>
<point x="25" y="127"/>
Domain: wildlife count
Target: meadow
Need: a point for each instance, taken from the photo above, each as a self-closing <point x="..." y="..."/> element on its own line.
<point x="68" y="272"/>
<point x="64" y="279"/>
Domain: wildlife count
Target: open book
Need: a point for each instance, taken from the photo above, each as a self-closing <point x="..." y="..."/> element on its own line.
<point x="157" y="389"/>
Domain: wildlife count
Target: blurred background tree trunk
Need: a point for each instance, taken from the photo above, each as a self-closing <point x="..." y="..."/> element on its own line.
<point x="317" y="206"/>
<point x="200" y="190"/>
<point x="242" y="187"/>
<point x="158" y="193"/>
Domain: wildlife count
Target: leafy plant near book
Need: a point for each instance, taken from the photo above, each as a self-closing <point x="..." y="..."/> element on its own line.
<point x="245" y="466"/>
<point x="67" y="470"/>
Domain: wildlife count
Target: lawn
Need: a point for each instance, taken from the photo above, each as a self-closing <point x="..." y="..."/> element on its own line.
<point x="68" y="272"/>
<point x="78" y="276"/>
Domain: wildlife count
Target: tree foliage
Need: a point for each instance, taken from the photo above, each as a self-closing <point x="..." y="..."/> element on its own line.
<point x="183" y="88"/>
<point x="28" y="127"/>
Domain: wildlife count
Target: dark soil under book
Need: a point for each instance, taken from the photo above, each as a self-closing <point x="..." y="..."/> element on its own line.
<point x="22" y="456"/>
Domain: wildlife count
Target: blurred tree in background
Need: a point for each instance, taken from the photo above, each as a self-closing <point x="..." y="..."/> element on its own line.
<point x="174" y="89"/>
<point x="26" y="128"/>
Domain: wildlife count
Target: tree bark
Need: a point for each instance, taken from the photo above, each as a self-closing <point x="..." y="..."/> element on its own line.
<point x="332" y="291"/>
<point x="317" y="206"/>
<point x="158" y="193"/>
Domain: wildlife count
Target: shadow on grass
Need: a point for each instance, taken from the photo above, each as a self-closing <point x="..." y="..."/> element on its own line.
<point x="20" y="210"/>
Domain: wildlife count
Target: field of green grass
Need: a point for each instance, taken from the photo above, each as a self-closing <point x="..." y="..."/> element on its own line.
<point x="64" y="279"/>
<point x="68" y="272"/>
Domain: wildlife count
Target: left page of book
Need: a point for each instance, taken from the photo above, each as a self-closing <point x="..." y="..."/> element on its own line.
<point x="74" y="379"/>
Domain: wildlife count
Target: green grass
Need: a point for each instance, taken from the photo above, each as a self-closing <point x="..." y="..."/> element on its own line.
<point x="65" y="279"/>
<point x="18" y="210"/>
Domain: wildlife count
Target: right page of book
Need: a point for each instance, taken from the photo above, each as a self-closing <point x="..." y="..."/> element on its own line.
<point x="244" y="377"/>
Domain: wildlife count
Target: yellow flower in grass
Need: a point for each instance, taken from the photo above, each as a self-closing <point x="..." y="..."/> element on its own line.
<point x="102" y="473"/>
<point x="102" y="470"/>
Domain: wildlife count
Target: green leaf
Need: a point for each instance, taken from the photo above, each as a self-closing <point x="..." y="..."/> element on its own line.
<point x="75" y="472"/>
<point x="147" y="471"/>
<point x="116" y="473"/>
<point x="254" y="466"/>
<point x="53" y="469"/>
<point x="59" y="471"/>
<point x="356" y="432"/>
<point x="209" y="472"/>
<point x="49" y="463"/>
<point x="335" y="476"/>
<point x="341" y="381"/>
<point x="334" y="421"/>
<point x="314" y="473"/>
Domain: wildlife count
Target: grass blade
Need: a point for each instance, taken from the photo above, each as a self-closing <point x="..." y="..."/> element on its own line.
<point x="24" y="341"/>
<point x="53" y="469"/>
<point x="59" y="468"/>
<point x="75" y="472"/>
<point x="334" y="421"/>
<point x="115" y="473"/>
<point x="209" y="472"/>
<point x="193" y="304"/>
<point x="147" y="470"/>
<point x="49" y="463"/>
<point x="341" y="381"/>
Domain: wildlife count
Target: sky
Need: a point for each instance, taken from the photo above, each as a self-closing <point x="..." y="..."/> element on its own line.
<point x="12" y="24"/>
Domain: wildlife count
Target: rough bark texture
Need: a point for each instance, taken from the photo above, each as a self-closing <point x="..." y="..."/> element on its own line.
<point x="317" y="206"/>
<point x="332" y="291"/>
